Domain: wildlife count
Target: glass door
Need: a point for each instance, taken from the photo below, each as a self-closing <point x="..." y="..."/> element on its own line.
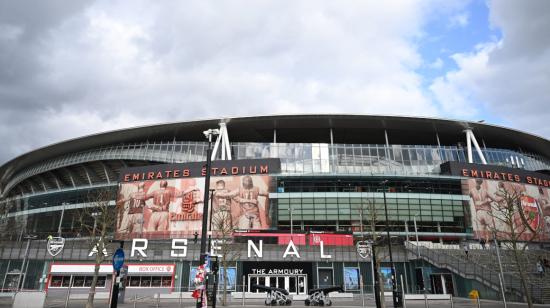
<point x="291" y="287"/>
<point x="325" y="277"/>
<point x="302" y="285"/>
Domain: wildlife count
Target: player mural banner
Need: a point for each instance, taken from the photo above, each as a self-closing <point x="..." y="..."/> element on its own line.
<point x="166" y="201"/>
<point x="487" y="188"/>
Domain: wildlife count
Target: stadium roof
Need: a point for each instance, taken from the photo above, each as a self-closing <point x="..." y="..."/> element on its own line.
<point x="305" y="128"/>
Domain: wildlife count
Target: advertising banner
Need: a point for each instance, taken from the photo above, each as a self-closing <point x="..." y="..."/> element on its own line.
<point x="489" y="188"/>
<point x="488" y="197"/>
<point x="166" y="201"/>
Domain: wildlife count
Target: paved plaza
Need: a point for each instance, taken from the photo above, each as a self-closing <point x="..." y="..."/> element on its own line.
<point x="255" y="303"/>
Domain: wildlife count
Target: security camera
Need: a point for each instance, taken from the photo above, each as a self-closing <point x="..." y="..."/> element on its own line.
<point x="211" y="132"/>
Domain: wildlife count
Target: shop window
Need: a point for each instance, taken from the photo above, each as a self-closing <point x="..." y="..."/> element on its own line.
<point x="351" y="278"/>
<point x="134" y="281"/>
<point x="89" y="280"/>
<point x="56" y="281"/>
<point x="145" y="281"/>
<point x="156" y="281"/>
<point x="66" y="281"/>
<point x="78" y="281"/>
<point x="166" y="281"/>
<point x="100" y="281"/>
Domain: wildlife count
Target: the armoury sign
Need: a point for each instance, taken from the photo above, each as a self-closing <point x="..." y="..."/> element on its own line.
<point x="496" y="173"/>
<point x="166" y="201"/>
<point x="55" y="245"/>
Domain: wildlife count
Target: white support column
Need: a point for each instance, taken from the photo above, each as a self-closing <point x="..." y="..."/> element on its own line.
<point x="476" y="145"/>
<point x="216" y="146"/>
<point x="469" y="146"/>
<point x="226" y="140"/>
<point x="274" y="135"/>
<point x="470" y="138"/>
<point x="223" y="141"/>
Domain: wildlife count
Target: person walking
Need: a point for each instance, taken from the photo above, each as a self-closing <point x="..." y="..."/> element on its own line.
<point x="540" y="268"/>
<point x="466" y="249"/>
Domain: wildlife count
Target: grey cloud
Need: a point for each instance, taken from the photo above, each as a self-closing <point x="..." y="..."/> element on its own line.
<point x="509" y="78"/>
<point x="74" y="68"/>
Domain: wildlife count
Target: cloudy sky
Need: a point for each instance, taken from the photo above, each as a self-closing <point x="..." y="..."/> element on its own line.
<point x="71" y="68"/>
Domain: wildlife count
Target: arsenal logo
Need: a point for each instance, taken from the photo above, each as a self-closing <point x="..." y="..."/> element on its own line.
<point x="363" y="249"/>
<point x="531" y="213"/>
<point x="55" y="245"/>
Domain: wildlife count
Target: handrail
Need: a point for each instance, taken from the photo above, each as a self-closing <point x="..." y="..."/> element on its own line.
<point x="477" y="271"/>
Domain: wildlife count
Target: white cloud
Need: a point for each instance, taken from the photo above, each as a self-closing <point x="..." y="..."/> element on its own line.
<point x="437" y="64"/>
<point x="459" y="20"/>
<point x="117" y="64"/>
<point x="509" y="78"/>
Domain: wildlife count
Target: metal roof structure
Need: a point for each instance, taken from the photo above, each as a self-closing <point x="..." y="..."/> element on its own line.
<point x="304" y="128"/>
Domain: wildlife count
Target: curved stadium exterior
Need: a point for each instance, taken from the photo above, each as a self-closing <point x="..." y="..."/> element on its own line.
<point x="328" y="169"/>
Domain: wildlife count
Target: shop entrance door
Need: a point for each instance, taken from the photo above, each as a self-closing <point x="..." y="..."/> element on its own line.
<point x="325" y="277"/>
<point x="442" y="283"/>
<point x="294" y="284"/>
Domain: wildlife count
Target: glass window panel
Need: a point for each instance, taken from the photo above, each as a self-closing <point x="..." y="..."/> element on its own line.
<point x="56" y="281"/>
<point x="101" y="281"/>
<point x="134" y="281"/>
<point x="166" y="281"/>
<point x="66" y="281"/>
<point x="145" y="281"/>
<point x="156" y="281"/>
<point x="78" y="281"/>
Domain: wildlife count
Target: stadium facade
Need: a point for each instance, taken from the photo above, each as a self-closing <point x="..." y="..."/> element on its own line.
<point x="311" y="189"/>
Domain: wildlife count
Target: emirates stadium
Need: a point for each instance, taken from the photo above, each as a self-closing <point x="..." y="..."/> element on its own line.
<point x="293" y="202"/>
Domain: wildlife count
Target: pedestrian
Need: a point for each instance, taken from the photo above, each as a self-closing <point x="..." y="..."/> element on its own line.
<point x="482" y="243"/>
<point x="540" y="268"/>
<point x="466" y="249"/>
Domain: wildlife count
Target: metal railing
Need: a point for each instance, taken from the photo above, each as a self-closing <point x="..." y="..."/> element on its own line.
<point x="458" y="262"/>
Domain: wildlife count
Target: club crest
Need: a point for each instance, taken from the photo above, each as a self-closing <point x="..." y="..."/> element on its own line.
<point x="55" y="245"/>
<point x="363" y="249"/>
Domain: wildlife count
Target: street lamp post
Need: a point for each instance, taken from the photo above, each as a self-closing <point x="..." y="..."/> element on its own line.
<point x="501" y="275"/>
<point x="393" y="282"/>
<point x="210" y="221"/>
<point x="208" y="134"/>
<point x="24" y="264"/>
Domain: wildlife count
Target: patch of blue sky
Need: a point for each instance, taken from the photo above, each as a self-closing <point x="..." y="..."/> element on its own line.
<point x="449" y="34"/>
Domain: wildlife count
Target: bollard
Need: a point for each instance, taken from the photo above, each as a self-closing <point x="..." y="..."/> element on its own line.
<point x="135" y="300"/>
<point x="244" y="287"/>
<point x="158" y="300"/>
<point x="69" y="292"/>
<point x="403" y="293"/>
<point x="180" y="296"/>
<point x="362" y="292"/>
<point x="425" y="298"/>
<point x="452" y="302"/>
<point x="478" y="302"/>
